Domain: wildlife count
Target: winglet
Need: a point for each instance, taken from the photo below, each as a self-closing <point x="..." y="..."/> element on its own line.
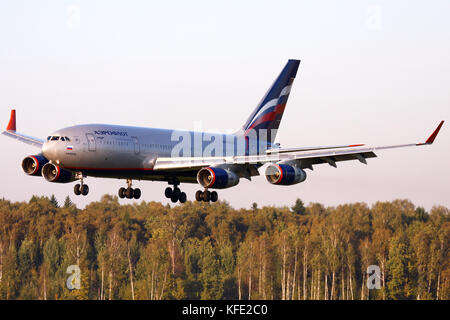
<point x="430" y="140"/>
<point x="12" y="121"/>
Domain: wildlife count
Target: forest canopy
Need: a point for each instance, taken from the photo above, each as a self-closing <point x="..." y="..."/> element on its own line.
<point x="213" y="251"/>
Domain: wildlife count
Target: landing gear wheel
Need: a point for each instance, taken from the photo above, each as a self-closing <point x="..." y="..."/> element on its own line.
<point x="214" y="196"/>
<point x="168" y="192"/>
<point x="84" y="189"/>
<point x="177" y="193"/>
<point x="80" y="188"/>
<point x="129" y="193"/>
<point x="122" y="192"/>
<point x="206" y="196"/>
<point x="76" y="189"/>
<point x="183" y="197"/>
<point x="174" y="198"/>
<point x="137" y="193"/>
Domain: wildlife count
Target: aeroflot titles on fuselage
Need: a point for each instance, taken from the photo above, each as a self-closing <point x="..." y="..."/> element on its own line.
<point x="111" y="133"/>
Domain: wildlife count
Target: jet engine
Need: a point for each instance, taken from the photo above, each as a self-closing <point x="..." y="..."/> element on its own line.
<point x="217" y="178"/>
<point x="53" y="173"/>
<point x="32" y="165"/>
<point x="284" y="174"/>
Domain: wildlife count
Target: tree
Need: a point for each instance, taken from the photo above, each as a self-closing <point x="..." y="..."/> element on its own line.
<point x="67" y="202"/>
<point x="11" y="282"/>
<point x="52" y="263"/>
<point x="209" y="276"/>
<point x="298" y="207"/>
<point x="28" y="260"/>
<point x="53" y="201"/>
<point x="397" y="266"/>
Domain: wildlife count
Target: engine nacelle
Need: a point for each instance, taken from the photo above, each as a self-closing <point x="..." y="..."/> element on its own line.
<point x="284" y="174"/>
<point x="32" y="165"/>
<point x="53" y="173"/>
<point x="217" y="178"/>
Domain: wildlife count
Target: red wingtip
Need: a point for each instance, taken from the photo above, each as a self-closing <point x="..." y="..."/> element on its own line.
<point x="430" y="140"/>
<point x="12" y="121"/>
<point x="356" y="145"/>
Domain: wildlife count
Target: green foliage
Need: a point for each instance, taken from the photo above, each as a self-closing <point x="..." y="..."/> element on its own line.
<point x="53" y="201"/>
<point x="397" y="267"/>
<point x="213" y="251"/>
<point x="298" y="207"/>
<point x="68" y="203"/>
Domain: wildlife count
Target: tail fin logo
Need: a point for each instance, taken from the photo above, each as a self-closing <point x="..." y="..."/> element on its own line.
<point x="272" y="109"/>
<point x="267" y="115"/>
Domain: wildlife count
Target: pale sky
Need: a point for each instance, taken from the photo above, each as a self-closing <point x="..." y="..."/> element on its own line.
<point x="374" y="72"/>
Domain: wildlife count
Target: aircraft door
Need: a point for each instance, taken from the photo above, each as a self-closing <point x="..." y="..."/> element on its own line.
<point x="91" y="141"/>
<point x="137" y="149"/>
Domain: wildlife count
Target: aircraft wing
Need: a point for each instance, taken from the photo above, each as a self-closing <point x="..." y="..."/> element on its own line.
<point x="303" y="157"/>
<point x="290" y="150"/>
<point x="12" y="133"/>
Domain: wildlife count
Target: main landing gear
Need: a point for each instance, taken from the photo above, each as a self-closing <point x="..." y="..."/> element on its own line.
<point x="206" y="196"/>
<point x="80" y="188"/>
<point x="129" y="192"/>
<point x="175" y="194"/>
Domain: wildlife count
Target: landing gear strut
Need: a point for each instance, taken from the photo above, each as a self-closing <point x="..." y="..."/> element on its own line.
<point x="206" y="196"/>
<point x="129" y="192"/>
<point x="175" y="194"/>
<point x="80" y="188"/>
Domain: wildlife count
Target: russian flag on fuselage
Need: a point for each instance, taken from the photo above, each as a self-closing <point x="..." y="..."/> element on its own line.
<point x="269" y="111"/>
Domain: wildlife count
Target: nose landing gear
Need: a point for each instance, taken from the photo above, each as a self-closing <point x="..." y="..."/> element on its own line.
<point x="175" y="194"/>
<point x="80" y="188"/>
<point x="129" y="192"/>
<point x="206" y="196"/>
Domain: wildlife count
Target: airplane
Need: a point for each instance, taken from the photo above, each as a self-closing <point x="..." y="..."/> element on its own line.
<point x="214" y="161"/>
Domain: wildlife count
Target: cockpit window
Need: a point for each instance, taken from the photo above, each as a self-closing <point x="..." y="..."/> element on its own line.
<point x="63" y="139"/>
<point x="67" y="139"/>
<point x="55" y="138"/>
<point x="48" y="138"/>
